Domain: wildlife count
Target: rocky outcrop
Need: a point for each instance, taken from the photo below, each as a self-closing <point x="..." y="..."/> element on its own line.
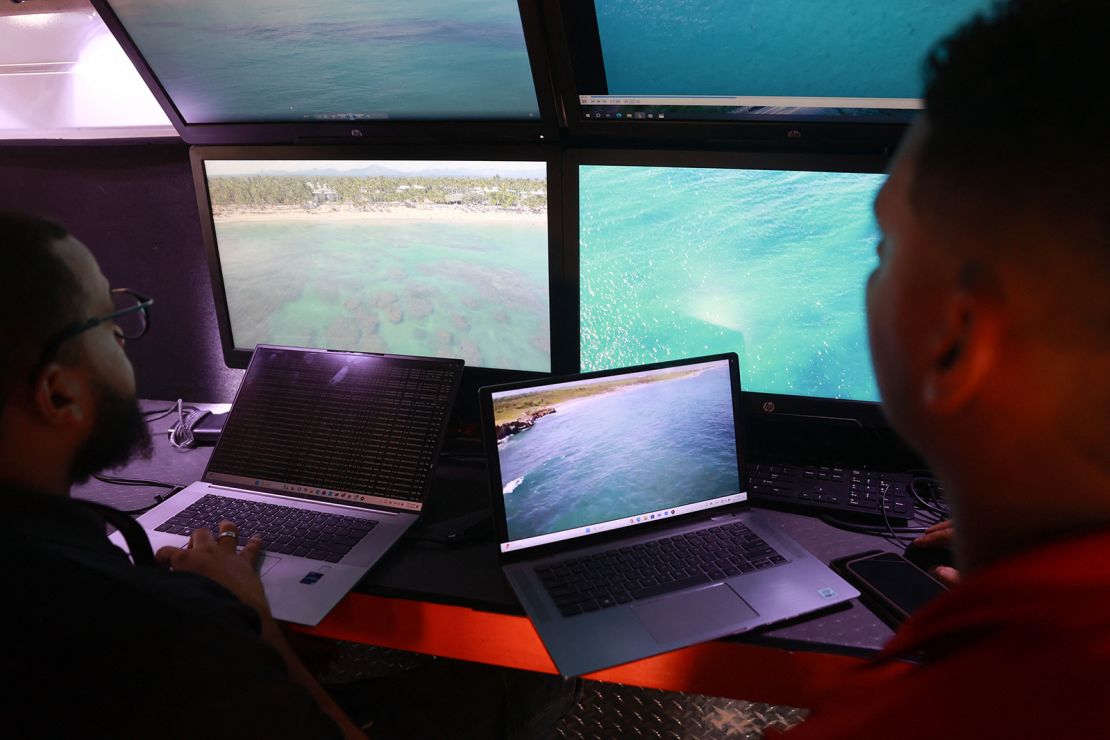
<point x="523" y="422"/>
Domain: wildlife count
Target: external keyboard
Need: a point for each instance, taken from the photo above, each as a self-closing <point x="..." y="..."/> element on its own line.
<point x="283" y="529"/>
<point x="606" y="579"/>
<point x="832" y="489"/>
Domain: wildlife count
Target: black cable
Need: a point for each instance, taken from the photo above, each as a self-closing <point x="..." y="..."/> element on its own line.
<point x="139" y="482"/>
<point x="935" y="505"/>
<point x="865" y="528"/>
<point x="135" y="481"/>
<point x="157" y="414"/>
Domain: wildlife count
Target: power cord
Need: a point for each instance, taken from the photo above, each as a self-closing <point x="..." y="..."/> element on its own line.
<point x="930" y="509"/>
<point x="173" y="488"/>
<point x="181" y="438"/>
<point x="156" y="414"/>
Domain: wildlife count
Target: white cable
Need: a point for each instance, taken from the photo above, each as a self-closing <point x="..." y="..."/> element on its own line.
<point x="181" y="435"/>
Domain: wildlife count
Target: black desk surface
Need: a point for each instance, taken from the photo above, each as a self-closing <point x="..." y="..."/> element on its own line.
<point x="468" y="574"/>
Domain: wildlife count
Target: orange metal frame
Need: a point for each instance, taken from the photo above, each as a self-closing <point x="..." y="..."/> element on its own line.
<point x="728" y="669"/>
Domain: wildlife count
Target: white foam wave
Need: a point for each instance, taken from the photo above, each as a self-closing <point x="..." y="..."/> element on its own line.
<point x="511" y="485"/>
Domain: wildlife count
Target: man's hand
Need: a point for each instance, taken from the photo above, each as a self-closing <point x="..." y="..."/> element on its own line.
<point x="218" y="558"/>
<point x="941" y="535"/>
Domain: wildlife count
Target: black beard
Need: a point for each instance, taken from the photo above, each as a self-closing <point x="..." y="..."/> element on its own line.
<point x="119" y="433"/>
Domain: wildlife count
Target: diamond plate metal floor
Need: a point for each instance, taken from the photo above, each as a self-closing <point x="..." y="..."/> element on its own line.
<point x="548" y="708"/>
<point x="616" y="712"/>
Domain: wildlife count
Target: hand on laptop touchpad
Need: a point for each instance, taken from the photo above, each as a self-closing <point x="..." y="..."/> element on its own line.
<point x="707" y="611"/>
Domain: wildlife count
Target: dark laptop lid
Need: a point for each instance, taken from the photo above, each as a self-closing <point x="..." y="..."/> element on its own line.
<point x="587" y="454"/>
<point x="355" y="428"/>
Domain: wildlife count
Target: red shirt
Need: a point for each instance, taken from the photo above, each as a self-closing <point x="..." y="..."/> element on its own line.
<point x="1020" y="648"/>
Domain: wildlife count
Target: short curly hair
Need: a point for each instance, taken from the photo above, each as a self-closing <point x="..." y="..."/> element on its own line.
<point x="1018" y="112"/>
<point x="1013" y="164"/>
<point x="39" y="294"/>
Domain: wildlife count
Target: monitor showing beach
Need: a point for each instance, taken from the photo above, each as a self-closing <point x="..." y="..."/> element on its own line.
<point x="433" y="258"/>
<point x="594" y="451"/>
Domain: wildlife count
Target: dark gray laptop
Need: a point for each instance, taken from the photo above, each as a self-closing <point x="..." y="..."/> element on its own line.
<point x="328" y="456"/>
<point x="621" y="514"/>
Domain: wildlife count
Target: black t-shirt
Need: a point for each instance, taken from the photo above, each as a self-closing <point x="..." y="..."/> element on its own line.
<point x="94" y="646"/>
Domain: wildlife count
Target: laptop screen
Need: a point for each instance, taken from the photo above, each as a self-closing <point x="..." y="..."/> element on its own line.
<point x="615" y="450"/>
<point x="357" y="429"/>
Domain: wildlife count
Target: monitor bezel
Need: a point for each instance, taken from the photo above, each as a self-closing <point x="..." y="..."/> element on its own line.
<point x="782" y="133"/>
<point x="473" y="376"/>
<point x="363" y="133"/>
<point x="863" y="414"/>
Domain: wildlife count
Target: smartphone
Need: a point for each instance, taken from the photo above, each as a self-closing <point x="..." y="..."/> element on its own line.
<point x="893" y="586"/>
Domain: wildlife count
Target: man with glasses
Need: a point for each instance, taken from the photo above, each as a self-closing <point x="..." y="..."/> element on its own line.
<point x="93" y="645"/>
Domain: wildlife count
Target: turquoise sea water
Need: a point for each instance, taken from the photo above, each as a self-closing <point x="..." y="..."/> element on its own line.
<point x="823" y="48"/>
<point x="285" y="60"/>
<point x="476" y="291"/>
<point x="680" y="262"/>
<point x="627" y="452"/>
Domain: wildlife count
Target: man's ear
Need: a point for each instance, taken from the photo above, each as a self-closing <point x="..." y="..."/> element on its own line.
<point x="965" y="349"/>
<point x="61" y="395"/>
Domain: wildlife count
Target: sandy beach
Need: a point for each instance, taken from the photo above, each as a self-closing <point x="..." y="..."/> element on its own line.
<point x="384" y="213"/>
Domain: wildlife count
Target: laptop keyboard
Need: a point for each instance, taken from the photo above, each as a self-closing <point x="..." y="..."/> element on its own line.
<point x="640" y="571"/>
<point x="283" y="529"/>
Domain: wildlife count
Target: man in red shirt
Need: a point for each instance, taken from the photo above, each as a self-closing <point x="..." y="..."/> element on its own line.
<point x="990" y="334"/>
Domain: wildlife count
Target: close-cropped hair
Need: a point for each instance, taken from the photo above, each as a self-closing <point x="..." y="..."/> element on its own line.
<point x="39" y="294"/>
<point x="1018" y="124"/>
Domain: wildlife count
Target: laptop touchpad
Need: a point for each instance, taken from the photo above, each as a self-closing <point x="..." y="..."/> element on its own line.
<point x="692" y="614"/>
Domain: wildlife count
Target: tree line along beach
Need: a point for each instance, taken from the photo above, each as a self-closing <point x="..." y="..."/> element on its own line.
<point x="262" y="196"/>
<point x="518" y="413"/>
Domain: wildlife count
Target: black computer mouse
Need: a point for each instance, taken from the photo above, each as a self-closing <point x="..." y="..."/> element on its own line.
<point x="929" y="557"/>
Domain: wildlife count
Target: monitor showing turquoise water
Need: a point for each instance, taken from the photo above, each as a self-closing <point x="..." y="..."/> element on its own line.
<point x="267" y="61"/>
<point x="590" y="455"/>
<point x="414" y="257"/>
<point x="680" y="261"/>
<point x="707" y="59"/>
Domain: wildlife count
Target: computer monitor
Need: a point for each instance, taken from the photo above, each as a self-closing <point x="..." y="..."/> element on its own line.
<point x="644" y="68"/>
<point x="285" y="71"/>
<point x="414" y="252"/>
<point x="684" y="253"/>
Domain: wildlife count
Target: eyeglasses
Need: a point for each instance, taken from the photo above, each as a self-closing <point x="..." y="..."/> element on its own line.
<point x="131" y="317"/>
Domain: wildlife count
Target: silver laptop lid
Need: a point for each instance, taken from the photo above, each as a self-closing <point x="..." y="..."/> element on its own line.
<point x="577" y="456"/>
<point x="354" y="428"/>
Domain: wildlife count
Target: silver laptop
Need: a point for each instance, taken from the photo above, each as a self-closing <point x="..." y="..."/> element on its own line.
<point x="621" y="514"/>
<point x="327" y="455"/>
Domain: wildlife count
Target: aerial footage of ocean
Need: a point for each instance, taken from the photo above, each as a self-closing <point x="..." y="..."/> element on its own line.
<point x="287" y="60"/>
<point x="821" y="48"/>
<point x="680" y="262"/>
<point x="476" y="291"/>
<point x="638" y="449"/>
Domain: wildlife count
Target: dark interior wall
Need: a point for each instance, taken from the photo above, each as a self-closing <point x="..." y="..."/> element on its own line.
<point x="134" y="206"/>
